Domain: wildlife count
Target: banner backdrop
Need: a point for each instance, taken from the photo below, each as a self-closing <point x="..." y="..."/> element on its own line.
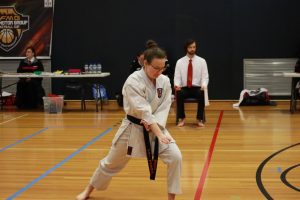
<point x="25" y="23"/>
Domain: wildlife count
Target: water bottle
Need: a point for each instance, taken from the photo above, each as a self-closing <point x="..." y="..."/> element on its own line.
<point x="99" y="68"/>
<point x="90" y="68"/>
<point x="94" y="68"/>
<point x="86" y="68"/>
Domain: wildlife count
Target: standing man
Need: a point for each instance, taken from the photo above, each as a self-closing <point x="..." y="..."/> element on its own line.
<point x="190" y="81"/>
<point x="147" y="101"/>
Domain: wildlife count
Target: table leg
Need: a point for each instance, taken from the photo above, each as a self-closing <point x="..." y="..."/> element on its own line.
<point x="293" y="101"/>
<point x="97" y="94"/>
<point x="1" y="99"/>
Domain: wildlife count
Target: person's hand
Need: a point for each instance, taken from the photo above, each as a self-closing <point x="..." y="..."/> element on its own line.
<point x="203" y="87"/>
<point x="166" y="139"/>
<point x="145" y="124"/>
<point x="177" y="88"/>
<point x="170" y="137"/>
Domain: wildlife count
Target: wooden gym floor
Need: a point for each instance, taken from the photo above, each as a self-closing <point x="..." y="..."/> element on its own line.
<point x="246" y="153"/>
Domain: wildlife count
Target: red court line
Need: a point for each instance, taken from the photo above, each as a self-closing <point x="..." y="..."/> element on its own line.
<point x="208" y="158"/>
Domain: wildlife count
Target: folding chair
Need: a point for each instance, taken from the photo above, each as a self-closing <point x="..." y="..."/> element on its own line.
<point x="76" y="87"/>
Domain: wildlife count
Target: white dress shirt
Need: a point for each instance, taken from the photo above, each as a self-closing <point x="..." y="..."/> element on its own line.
<point x="200" y="72"/>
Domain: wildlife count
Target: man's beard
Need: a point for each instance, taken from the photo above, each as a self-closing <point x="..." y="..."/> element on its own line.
<point x="191" y="53"/>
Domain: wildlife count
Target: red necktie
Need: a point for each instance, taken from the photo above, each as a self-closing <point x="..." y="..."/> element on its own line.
<point x="190" y="74"/>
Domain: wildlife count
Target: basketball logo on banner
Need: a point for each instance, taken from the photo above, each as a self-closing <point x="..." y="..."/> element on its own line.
<point x="12" y="27"/>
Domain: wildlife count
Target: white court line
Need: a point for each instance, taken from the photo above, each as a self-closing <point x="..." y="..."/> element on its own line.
<point x="13" y="119"/>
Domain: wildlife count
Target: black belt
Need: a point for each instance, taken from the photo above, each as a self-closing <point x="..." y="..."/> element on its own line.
<point x="152" y="162"/>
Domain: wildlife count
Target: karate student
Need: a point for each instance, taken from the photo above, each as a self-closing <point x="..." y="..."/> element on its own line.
<point x="147" y="100"/>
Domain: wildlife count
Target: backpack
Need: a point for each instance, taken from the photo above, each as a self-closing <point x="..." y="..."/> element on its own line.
<point x="101" y="92"/>
<point x="254" y="97"/>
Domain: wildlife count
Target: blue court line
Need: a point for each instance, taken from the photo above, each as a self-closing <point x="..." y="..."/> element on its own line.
<point x="25" y="138"/>
<point x="57" y="165"/>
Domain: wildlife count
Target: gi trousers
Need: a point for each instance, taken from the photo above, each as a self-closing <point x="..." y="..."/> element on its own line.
<point x="117" y="159"/>
<point x="193" y="92"/>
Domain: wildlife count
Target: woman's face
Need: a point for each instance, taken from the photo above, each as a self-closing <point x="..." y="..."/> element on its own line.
<point x="155" y="68"/>
<point x="29" y="54"/>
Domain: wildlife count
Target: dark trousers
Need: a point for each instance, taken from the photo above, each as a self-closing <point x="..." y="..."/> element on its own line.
<point x="29" y="93"/>
<point x="185" y="93"/>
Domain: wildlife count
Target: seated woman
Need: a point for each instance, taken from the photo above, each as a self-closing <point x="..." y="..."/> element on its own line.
<point x="30" y="90"/>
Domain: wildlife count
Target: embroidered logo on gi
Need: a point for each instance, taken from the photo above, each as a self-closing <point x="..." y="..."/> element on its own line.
<point x="159" y="92"/>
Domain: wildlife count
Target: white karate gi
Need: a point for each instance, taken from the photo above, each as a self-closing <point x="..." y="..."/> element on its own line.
<point x="151" y="103"/>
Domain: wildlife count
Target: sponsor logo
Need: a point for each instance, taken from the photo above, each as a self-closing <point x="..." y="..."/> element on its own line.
<point x="12" y="27"/>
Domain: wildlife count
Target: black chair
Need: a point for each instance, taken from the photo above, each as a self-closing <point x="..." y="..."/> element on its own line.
<point x="75" y="87"/>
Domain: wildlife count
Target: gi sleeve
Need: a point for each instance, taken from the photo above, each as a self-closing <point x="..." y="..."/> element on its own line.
<point x="162" y="112"/>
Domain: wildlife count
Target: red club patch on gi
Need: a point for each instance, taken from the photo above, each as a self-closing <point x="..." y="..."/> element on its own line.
<point x="159" y="92"/>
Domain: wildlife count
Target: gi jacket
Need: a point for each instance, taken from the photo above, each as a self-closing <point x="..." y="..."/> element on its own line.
<point x="144" y="100"/>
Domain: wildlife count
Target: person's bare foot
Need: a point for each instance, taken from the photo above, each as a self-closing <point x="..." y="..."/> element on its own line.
<point x="200" y="123"/>
<point x="180" y="123"/>
<point x="86" y="193"/>
<point x="171" y="196"/>
<point x="82" y="196"/>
